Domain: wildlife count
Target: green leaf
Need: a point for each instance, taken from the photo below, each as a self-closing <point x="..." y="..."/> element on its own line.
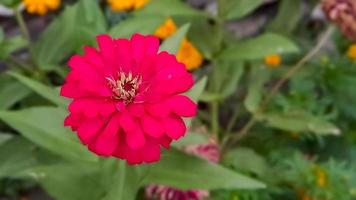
<point x="44" y="126"/>
<point x="258" y="48"/>
<point x="287" y="18"/>
<point x="191" y="138"/>
<point x="258" y="77"/>
<point x="225" y="76"/>
<point x="139" y="24"/>
<point x="16" y="155"/>
<point x="11" y="92"/>
<point x="234" y="9"/>
<point x="182" y="171"/>
<point x="300" y="121"/>
<point x="173" y="43"/>
<point x="77" y="25"/>
<point x="10" y="45"/>
<point x="169" y="8"/>
<point x="10" y="3"/>
<point x="2" y="35"/>
<point x="4" y="137"/>
<point x="195" y="92"/>
<point x="46" y="92"/>
<point x="246" y="160"/>
<point x="121" y="181"/>
<point x="69" y="181"/>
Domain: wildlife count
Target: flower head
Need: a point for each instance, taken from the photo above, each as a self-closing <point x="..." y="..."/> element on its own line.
<point x="127" y="98"/>
<point x="41" y="7"/>
<point x="351" y="52"/>
<point x="273" y="61"/>
<point x="167" y="29"/>
<point x="126" y="5"/>
<point x="321" y="177"/>
<point x="189" y="55"/>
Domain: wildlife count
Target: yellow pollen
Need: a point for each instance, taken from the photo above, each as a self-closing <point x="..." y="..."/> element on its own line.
<point x="189" y="55"/>
<point x="125" y="87"/>
<point x="321" y="178"/>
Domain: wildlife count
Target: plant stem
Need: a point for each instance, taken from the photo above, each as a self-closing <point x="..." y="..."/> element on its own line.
<point x="22" y="25"/>
<point x="215" y="117"/>
<point x="293" y="70"/>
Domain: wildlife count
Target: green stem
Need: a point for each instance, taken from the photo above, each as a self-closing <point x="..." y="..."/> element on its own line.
<point x="22" y="24"/>
<point x="215" y="117"/>
<point x="293" y="70"/>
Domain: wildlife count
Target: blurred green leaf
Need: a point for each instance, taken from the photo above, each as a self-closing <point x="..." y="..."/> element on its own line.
<point x="11" y="91"/>
<point x="246" y="160"/>
<point x="44" y="126"/>
<point x="69" y="181"/>
<point x="258" y="48"/>
<point x="169" y="8"/>
<point x="182" y="171"/>
<point x="48" y="93"/>
<point x="2" y="35"/>
<point x="195" y="92"/>
<point x="191" y="138"/>
<point x="121" y="181"/>
<point x="173" y="43"/>
<point x="77" y="25"/>
<point x="4" y="137"/>
<point x="10" y="3"/>
<point x="234" y="9"/>
<point x="288" y="16"/>
<point x="10" y="45"/>
<point x="225" y="76"/>
<point x="258" y="77"/>
<point x="16" y="155"/>
<point x="139" y="24"/>
<point x="300" y="121"/>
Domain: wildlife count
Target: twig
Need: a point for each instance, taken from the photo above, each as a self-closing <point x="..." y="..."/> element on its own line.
<point x="242" y="133"/>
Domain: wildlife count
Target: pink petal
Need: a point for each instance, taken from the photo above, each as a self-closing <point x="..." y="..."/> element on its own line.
<point x="175" y="127"/>
<point x="135" y="139"/>
<point x="152" y="126"/>
<point x="107" y="141"/>
<point x="128" y="123"/>
<point x="150" y="152"/>
<point x="136" y="109"/>
<point x="161" y="109"/>
<point x="183" y="106"/>
<point x="108" y="50"/>
<point x="89" y="129"/>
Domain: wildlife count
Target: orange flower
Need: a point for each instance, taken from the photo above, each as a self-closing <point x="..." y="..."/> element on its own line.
<point x="167" y="29"/>
<point x="273" y="61"/>
<point x="351" y="53"/>
<point x="189" y="55"/>
<point x="126" y="5"/>
<point x="41" y="7"/>
<point x="321" y="178"/>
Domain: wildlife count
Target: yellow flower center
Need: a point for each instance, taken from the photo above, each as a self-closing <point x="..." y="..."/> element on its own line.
<point x="41" y="7"/>
<point x="125" y="87"/>
<point x="273" y="61"/>
<point x="189" y="55"/>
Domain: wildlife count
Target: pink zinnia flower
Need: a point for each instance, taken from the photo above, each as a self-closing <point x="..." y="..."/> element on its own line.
<point x="209" y="152"/>
<point x="127" y="98"/>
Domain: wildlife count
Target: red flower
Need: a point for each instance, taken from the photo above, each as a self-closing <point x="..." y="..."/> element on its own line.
<point x="127" y="100"/>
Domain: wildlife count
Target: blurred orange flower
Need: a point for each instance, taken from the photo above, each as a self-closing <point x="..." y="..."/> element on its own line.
<point x="189" y="55"/>
<point x="351" y="53"/>
<point x="321" y="178"/>
<point x="41" y="7"/>
<point x="167" y="29"/>
<point x="273" y="61"/>
<point x="126" y="5"/>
